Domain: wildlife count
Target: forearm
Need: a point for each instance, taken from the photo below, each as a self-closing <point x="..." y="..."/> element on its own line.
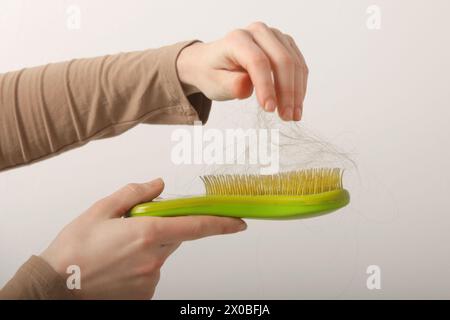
<point x="50" y="109"/>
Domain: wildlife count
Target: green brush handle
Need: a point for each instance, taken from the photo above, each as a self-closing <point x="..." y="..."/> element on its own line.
<point x="258" y="207"/>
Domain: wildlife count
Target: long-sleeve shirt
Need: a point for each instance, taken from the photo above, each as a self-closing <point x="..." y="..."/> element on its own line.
<point x="50" y="109"/>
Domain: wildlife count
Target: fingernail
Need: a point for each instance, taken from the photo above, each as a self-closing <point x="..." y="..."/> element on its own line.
<point x="270" y="105"/>
<point x="297" y="114"/>
<point x="242" y="226"/>
<point x="287" y="114"/>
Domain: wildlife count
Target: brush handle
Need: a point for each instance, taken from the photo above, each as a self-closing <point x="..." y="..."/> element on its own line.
<point x="257" y="207"/>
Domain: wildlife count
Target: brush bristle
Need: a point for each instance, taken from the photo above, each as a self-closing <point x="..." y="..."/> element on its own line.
<point x="297" y="183"/>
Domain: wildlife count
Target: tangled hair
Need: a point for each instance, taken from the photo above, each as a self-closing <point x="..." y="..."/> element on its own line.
<point x="299" y="148"/>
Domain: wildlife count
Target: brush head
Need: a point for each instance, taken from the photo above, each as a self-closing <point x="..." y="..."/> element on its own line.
<point x="291" y="183"/>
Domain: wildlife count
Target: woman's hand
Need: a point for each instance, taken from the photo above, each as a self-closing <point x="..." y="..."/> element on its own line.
<point x="121" y="258"/>
<point x="257" y="56"/>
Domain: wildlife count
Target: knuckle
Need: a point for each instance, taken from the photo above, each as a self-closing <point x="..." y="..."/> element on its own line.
<point x="303" y="68"/>
<point x="149" y="233"/>
<point x="237" y="35"/>
<point x="260" y="61"/>
<point x="155" y="228"/>
<point x="298" y="64"/>
<point x="258" y="26"/>
<point x="147" y="238"/>
<point x="284" y="60"/>
<point x="289" y="38"/>
<point x="275" y="30"/>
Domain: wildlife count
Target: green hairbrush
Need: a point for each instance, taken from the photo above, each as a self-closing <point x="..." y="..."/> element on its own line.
<point x="288" y="195"/>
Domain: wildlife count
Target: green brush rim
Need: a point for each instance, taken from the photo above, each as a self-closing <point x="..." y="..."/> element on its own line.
<point x="254" y="207"/>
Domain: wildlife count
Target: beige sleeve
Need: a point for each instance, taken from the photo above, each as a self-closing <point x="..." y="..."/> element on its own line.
<point x="36" y="279"/>
<point x="53" y="108"/>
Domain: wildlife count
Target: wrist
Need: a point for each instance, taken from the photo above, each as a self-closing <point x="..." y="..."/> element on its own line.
<point x="51" y="257"/>
<point x="187" y="68"/>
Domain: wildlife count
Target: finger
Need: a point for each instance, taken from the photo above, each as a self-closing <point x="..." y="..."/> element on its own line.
<point x="299" y="92"/>
<point x="283" y="66"/>
<point x="297" y="50"/>
<point x="245" y="53"/>
<point x="304" y="66"/>
<point x="120" y="202"/>
<point x="177" y="229"/>
<point x="235" y="84"/>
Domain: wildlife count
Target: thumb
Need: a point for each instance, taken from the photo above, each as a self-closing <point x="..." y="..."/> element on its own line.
<point x="120" y="202"/>
<point x="232" y="85"/>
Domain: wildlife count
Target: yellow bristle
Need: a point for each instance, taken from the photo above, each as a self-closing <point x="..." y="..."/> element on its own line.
<point x="296" y="183"/>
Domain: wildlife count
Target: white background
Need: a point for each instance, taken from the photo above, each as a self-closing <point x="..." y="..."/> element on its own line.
<point x="380" y="95"/>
